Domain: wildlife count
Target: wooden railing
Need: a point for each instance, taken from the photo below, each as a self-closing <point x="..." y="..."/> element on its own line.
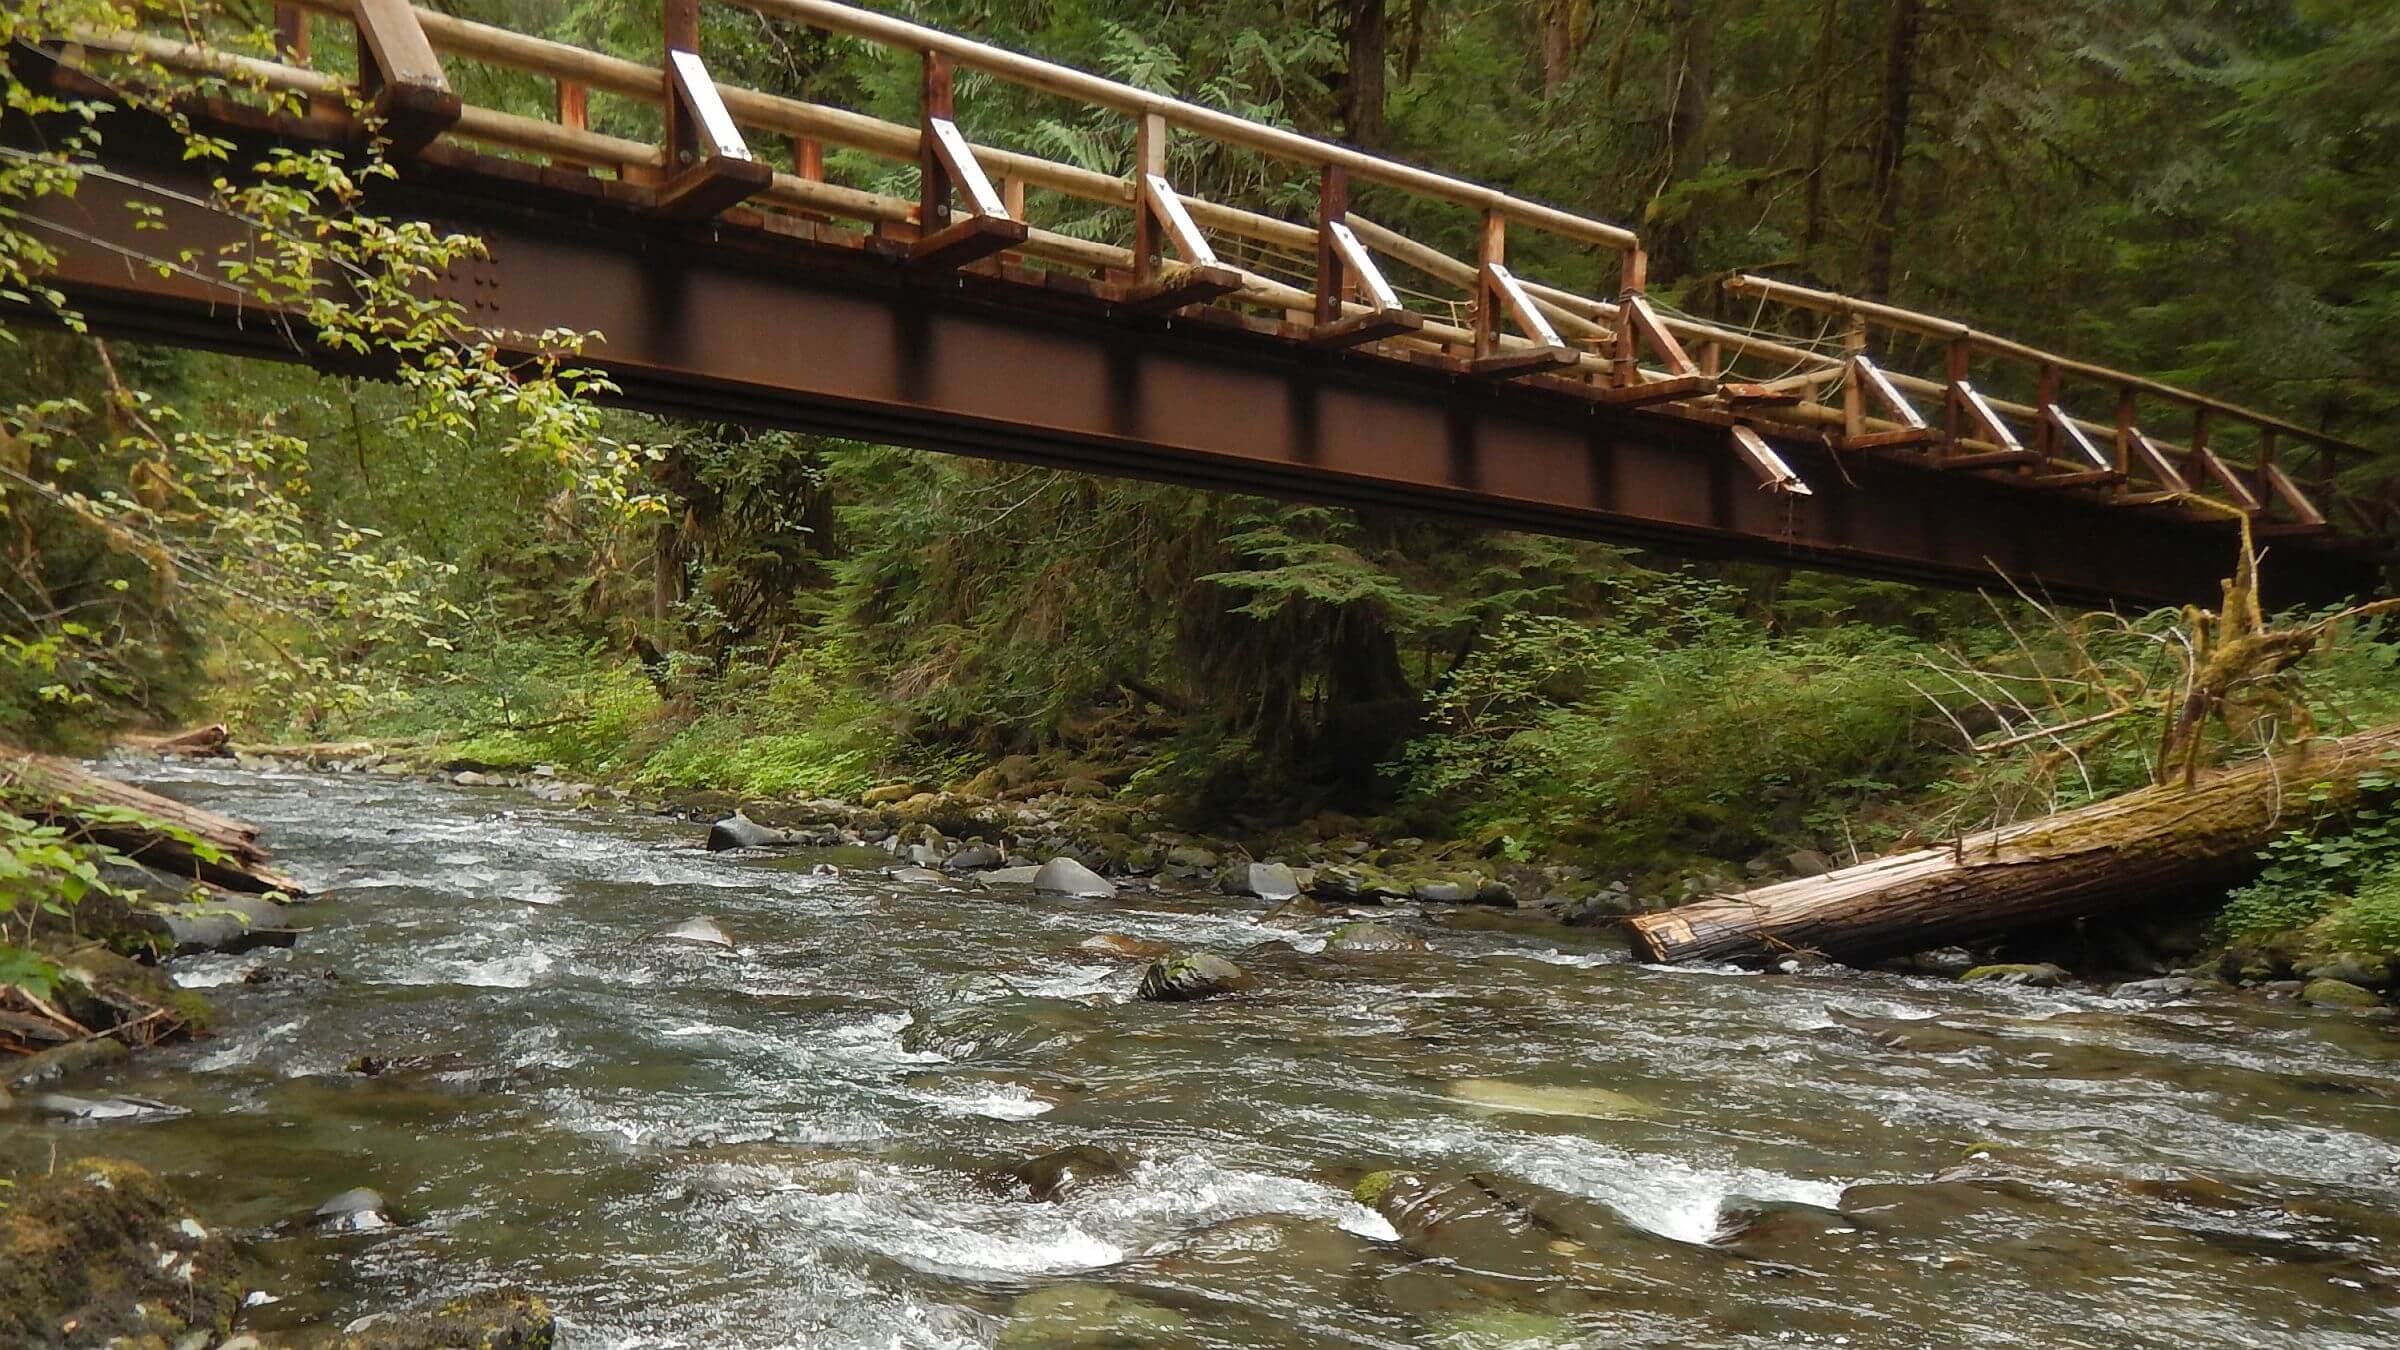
<point x="970" y="213"/>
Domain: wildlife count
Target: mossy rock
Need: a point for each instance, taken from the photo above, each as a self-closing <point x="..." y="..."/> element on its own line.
<point x="101" y="1252"/>
<point x="1372" y="939"/>
<point x="1372" y="1187"/>
<point x="2338" y="994"/>
<point x="1198" y="975"/>
<point x="490" y="1319"/>
<point x="1496" y="1327"/>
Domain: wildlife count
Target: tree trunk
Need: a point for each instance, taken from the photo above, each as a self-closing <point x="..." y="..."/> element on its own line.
<point x="170" y="837"/>
<point x="1362" y="94"/>
<point x="1690" y="79"/>
<point x="2071" y="865"/>
<point x="1820" y="115"/>
<point x="1891" y="147"/>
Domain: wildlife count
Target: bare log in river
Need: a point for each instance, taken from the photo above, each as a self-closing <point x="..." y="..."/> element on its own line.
<point x="2070" y="865"/>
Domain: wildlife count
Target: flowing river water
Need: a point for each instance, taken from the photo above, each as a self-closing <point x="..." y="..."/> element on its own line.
<point x="805" y="1142"/>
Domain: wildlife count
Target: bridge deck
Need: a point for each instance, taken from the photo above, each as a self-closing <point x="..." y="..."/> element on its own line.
<point x="726" y="288"/>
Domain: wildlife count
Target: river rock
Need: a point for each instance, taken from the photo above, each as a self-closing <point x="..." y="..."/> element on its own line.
<point x="2329" y="993"/>
<point x="1271" y="881"/>
<point x="1124" y="948"/>
<point x="890" y="794"/>
<point x="1065" y="876"/>
<point x="225" y="923"/>
<point x="1026" y="875"/>
<point x="1457" y="890"/>
<point x="973" y="856"/>
<point x="1372" y="939"/>
<point x="103" y="1247"/>
<point x="918" y="876"/>
<point x="740" y="831"/>
<point x="1190" y="862"/>
<point x="1051" y="1176"/>
<point x="1358" y="882"/>
<point x="2030" y="975"/>
<point x="2358" y="968"/>
<point x="60" y="1106"/>
<point x="1495" y="1225"/>
<point x="490" y="1319"/>
<point x="1198" y="975"/>
<point x="1088" y="1317"/>
<point x="1784" y="1232"/>
<point x="62" y="1061"/>
<point x="1294" y="913"/>
<point x="1535" y="1099"/>
<point x="2160" y="988"/>
<point x="699" y="930"/>
<point x="357" y="1210"/>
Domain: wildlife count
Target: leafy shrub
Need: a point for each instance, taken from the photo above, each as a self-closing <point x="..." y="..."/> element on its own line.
<point x="801" y="729"/>
<point x="2371" y="922"/>
<point x="2335" y="862"/>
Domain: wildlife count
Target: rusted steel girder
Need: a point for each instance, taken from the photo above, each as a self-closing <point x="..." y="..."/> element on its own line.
<point x="765" y="324"/>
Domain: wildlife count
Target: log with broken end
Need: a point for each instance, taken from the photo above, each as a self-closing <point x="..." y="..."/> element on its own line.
<point x="161" y="833"/>
<point x="2158" y="841"/>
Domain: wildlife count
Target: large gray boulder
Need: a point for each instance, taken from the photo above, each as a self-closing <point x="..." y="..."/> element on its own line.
<point x="1065" y="876"/>
<point x="698" y="930"/>
<point x="1271" y="881"/>
<point x="740" y="831"/>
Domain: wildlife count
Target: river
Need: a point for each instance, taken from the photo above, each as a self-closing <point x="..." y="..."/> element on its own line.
<point x="802" y="1143"/>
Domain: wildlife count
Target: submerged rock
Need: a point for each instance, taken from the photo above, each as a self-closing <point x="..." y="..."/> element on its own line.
<point x="103" y="1247"/>
<point x="62" y="1061"/>
<point x="60" y="1106"/>
<point x="918" y="876"/>
<point x="1087" y="1317"/>
<point x="492" y="1319"/>
<point x="1065" y="876"/>
<point x="1293" y="913"/>
<point x="1124" y="948"/>
<point x="2041" y="975"/>
<point x="1533" y="1099"/>
<point x="357" y="1210"/>
<point x="740" y="831"/>
<point x="1371" y="938"/>
<point x="2358" y="968"/>
<point x="1199" y="975"/>
<point x="2162" y="987"/>
<point x="699" y="930"/>
<point x="2329" y="993"/>
<point x="1053" y="1175"/>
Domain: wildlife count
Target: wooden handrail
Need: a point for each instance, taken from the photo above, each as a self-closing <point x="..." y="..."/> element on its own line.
<point x="1034" y="73"/>
<point x="1926" y="325"/>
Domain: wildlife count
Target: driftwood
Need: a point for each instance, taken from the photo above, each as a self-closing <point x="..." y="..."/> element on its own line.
<point x="208" y="740"/>
<point x="2145" y="844"/>
<point x="56" y="792"/>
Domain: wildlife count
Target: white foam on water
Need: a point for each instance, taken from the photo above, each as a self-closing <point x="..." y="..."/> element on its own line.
<point x="211" y="970"/>
<point x="510" y="970"/>
<point x="1368" y="1224"/>
<point x="1549" y="956"/>
<point x="1665" y="1195"/>
<point x="1000" y="1101"/>
<point x="1070" y="982"/>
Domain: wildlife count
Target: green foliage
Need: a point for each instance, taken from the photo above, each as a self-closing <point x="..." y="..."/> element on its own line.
<point x="2321" y="867"/>
<point x="793" y="731"/>
<point x="2371" y="921"/>
<point x="1667" y="723"/>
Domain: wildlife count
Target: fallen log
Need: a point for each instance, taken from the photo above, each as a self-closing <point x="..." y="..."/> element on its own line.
<point x="158" y="832"/>
<point x="2066" y="866"/>
<point x="199" y="741"/>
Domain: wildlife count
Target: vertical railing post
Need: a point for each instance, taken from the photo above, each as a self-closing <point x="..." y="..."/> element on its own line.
<point x="808" y="158"/>
<point x="1491" y="248"/>
<point x="291" y="34"/>
<point x="2125" y="429"/>
<point x="2195" y="465"/>
<point x="1149" y="157"/>
<point x="2045" y="436"/>
<point x="679" y="30"/>
<point x="1633" y="278"/>
<point x="1854" y="393"/>
<point x="2262" y="477"/>
<point x="1333" y="208"/>
<point x="936" y="97"/>
<point x="1012" y="196"/>
<point x="574" y="105"/>
<point x="1953" y="403"/>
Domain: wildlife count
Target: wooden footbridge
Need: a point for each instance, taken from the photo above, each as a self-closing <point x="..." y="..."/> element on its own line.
<point x="732" y="273"/>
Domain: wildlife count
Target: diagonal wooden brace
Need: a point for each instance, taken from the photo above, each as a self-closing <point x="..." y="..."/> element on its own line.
<point x="1773" y="474"/>
<point x="714" y="167"/>
<point x="400" y="76"/>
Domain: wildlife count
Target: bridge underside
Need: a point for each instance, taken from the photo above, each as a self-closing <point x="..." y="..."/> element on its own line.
<point x="822" y="330"/>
